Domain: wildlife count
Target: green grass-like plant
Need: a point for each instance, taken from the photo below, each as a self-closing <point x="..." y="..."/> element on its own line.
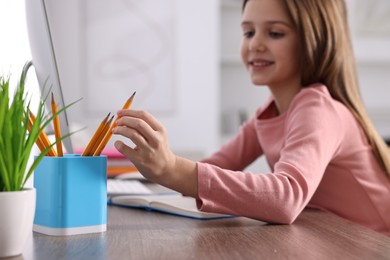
<point x="16" y="142"/>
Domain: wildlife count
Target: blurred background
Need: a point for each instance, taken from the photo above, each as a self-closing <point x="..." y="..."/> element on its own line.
<point x="182" y="58"/>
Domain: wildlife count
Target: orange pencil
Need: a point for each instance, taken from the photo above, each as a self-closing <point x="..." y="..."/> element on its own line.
<point x="95" y="137"/>
<point x="57" y="128"/>
<point x="107" y="137"/>
<point x="39" y="141"/>
<point x="127" y="105"/>
<point x="101" y="136"/>
<point x="43" y="138"/>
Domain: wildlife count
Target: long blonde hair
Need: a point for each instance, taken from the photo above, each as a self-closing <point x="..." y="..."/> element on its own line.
<point x="328" y="58"/>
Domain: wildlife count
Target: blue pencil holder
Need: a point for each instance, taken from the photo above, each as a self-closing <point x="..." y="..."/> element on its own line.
<point x="71" y="195"/>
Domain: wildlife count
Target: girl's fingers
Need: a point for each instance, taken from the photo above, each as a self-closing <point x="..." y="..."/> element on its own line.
<point x="130" y="127"/>
<point x="145" y="124"/>
<point x="133" y="154"/>
<point x="137" y="138"/>
<point x="151" y="154"/>
<point x="125" y="150"/>
<point x="143" y="115"/>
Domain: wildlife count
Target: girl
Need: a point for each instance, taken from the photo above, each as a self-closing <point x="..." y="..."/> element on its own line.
<point x="314" y="131"/>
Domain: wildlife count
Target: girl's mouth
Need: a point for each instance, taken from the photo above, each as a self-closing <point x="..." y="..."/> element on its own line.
<point x="261" y="63"/>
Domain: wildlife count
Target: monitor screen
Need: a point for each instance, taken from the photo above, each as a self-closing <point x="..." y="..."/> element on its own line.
<point x="44" y="60"/>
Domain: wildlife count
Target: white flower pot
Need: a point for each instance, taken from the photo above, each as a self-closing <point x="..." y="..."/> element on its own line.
<point x="17" y="211"/>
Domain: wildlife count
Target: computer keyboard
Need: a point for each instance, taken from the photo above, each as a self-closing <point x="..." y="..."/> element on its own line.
<point x="119" y="187"/>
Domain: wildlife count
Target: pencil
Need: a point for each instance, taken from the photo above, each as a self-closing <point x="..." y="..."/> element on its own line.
<point x="129" y="101"/>
<point x="38" y="141"/>
<point x="101" y="136"/>
<point x="57" y="127"/>
<point x="107" y="137"/>
<point x="95" y="137"/>
<point x="44" y="140"/>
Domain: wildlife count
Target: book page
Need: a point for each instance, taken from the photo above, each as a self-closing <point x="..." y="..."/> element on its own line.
<point x="180" y="205"/>
<point x="172" y="204"/>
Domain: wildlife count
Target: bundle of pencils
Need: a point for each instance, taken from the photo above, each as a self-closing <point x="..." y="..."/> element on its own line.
<point x="95" y="146"/>
<point x="104" y="132"/>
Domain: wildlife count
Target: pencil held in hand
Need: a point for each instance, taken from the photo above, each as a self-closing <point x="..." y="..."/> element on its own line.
<point x="108" y="135"/>
<point x="57" y="127"/>
<point x="128" y="103"/>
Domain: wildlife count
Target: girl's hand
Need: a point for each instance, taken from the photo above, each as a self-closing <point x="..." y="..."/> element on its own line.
<point x="151" y="154"/>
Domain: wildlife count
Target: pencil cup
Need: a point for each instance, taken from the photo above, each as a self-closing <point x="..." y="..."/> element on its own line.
<point x="71" y="195"/>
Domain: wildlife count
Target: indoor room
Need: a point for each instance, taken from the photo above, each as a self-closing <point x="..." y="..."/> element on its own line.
<point x="182" y="62"/>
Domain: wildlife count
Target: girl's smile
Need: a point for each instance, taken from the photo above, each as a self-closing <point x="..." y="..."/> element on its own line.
<point x="270" y="45"/>
<point x="258" y="65"/>
<point x="270" y="49"/>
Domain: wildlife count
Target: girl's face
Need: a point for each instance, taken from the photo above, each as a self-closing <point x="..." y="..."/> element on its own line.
<point x="270" y="47"/>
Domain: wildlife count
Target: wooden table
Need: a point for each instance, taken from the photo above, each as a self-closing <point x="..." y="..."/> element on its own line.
<point x="139" y="234"/>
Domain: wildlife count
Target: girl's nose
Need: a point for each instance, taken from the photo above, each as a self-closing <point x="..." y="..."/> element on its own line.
<point x="261" y="48"/>
<point x="257" y="45"/>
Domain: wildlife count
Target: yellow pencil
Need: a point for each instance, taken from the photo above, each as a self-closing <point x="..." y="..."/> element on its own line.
<point x="88" y="149"/>
<point x="107" y="137"/>
<point x="101" y="136"/>
<point x="129" y="101"/>
<point x="44" y="139"/>
<point x="57" y="127"/>
<point x="39" y="141"/>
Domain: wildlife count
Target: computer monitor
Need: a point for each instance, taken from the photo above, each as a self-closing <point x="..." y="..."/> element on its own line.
<point x="44" y="60"/>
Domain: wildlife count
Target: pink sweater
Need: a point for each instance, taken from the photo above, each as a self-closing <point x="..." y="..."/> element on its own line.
<point x="319" y="158"/>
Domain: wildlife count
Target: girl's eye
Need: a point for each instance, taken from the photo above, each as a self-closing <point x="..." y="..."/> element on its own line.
<point x="276" y="35"/>
<point x="249" y="34"/>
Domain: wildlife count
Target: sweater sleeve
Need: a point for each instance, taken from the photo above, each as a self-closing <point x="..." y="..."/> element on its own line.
<point x="240" y="151"/>
<point x="313" y="132"/>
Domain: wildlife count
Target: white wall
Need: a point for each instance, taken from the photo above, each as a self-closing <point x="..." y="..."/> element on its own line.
<point x="193" y="125"/>
<point x="14" y="48"/>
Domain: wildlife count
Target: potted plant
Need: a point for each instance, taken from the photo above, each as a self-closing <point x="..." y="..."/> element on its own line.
<point x="17" y="203"/>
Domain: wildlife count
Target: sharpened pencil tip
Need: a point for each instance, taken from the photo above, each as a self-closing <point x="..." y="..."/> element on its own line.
<point x="132" y="97"/>
<point x="106" y="118"/>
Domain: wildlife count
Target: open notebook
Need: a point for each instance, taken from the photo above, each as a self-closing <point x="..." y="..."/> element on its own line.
<point x="172" y="204"/>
